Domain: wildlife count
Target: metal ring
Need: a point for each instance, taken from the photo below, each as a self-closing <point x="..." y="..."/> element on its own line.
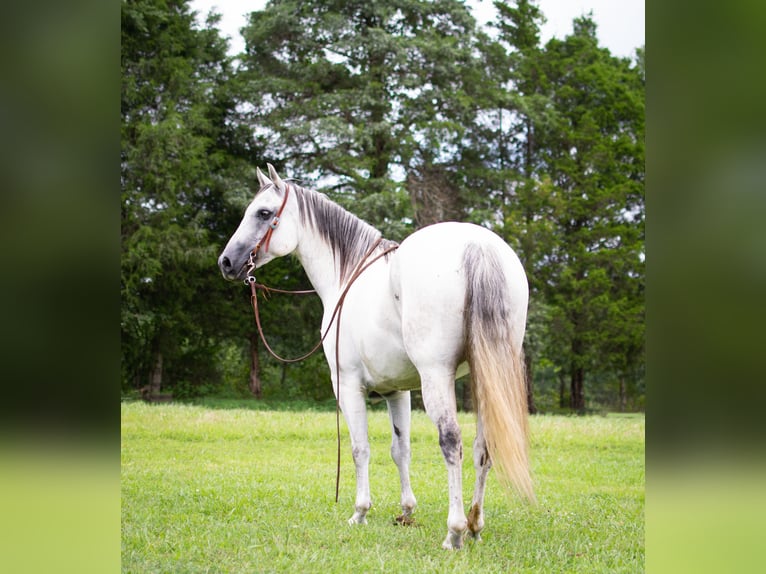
<point x="249" y="279"/>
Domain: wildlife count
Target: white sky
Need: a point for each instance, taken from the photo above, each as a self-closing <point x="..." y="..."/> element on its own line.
<point x="620" y="22"/>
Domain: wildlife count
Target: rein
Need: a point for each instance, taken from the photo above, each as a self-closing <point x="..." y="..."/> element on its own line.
<point x="361" y="267"/>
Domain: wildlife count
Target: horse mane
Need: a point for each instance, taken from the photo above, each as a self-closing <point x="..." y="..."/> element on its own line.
<point x="349" y="237"/>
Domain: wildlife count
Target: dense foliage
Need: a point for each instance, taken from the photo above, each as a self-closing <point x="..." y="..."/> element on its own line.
<point x="408" y="113"/>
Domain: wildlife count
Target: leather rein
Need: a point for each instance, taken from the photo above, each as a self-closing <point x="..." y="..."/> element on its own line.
<point x="360" y="268"/>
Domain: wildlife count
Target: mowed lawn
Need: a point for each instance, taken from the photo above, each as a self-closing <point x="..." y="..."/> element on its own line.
<point x="228" y="488"/>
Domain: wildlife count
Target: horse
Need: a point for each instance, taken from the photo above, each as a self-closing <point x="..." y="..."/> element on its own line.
<point x="450" y="299"/>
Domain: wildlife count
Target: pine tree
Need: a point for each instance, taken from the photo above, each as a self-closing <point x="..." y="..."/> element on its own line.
<point x="360" y="92"/>
<point x="172" y="105"/>
<point x="568" y="156"/>
<point x="594" y="156"/>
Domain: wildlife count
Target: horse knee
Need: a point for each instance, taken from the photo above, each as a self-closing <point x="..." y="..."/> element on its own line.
<point x="361" y="453"/>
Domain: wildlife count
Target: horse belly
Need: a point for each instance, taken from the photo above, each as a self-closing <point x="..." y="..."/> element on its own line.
<point x="378" y="329"/>
<point x="387" y="367"/>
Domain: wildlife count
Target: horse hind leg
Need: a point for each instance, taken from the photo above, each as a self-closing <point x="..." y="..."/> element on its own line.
<point x="482" y="463"/>
<point x="439" y="401"/>
<point x="399" y="414"/>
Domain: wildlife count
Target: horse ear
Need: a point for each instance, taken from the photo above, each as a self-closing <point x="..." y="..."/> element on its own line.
<point x="275" y="178"/>
<point x="262" y="179"/>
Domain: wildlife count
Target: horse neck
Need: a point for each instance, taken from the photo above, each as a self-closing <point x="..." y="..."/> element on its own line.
<point x="318" y="261"/>
<point x="329" y="236"/>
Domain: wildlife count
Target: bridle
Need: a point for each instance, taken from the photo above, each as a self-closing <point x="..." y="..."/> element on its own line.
<point x="266" y="239"/>
<point x="360" y="268"/>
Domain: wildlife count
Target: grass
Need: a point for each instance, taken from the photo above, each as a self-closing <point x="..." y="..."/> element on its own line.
<point x="216" y="488"/>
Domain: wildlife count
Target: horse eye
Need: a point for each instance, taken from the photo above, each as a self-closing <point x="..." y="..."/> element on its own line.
<point x="264" y="214"/>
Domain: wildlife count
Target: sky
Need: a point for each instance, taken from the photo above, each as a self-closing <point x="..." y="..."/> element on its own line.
<point x="620" y="22"/>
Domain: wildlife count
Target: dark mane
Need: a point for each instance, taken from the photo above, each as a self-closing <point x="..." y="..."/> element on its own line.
<point x="349" y="237"/>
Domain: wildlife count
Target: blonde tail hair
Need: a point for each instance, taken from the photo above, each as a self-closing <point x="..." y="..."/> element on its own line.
<point x="497" y="370"/>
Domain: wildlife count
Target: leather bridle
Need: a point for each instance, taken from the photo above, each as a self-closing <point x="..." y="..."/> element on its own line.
<point x="266" y="239"/>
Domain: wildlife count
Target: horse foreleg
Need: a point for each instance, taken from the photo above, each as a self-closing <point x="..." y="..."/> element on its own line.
<point x="399" y="413"/>
<point x="439" y="400"/>
<point x="355" y="412"/>
<point x="482" y="463"/>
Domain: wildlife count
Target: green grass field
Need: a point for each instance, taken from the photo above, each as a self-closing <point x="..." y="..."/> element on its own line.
<point x="224" y="487"/>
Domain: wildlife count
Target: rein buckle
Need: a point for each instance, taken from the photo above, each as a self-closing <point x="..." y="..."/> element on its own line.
<point x="249" y="277"/>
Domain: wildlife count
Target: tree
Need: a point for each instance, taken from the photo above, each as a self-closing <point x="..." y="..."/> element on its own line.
<point x="403" y="109"/>
<point x="354" y="91"/>
<point x="594" y="156"/>
<point x="351" y="93"/>
<point x="514" y="105"/>
<point x="567" y="148"/>
<point x="172" y="109"/>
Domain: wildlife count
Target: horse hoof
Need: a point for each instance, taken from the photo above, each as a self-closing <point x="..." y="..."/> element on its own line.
<point x="357" y="520"/>
<point x="452" y="542"/>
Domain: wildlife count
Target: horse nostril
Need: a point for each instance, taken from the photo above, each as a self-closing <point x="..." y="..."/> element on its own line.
<point x="225" y="262"/>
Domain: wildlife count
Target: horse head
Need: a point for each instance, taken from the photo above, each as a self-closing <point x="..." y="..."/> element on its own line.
<point x="268" y="228"/>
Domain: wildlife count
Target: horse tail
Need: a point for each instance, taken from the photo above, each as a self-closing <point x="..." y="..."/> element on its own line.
<point x="497" y="368"/>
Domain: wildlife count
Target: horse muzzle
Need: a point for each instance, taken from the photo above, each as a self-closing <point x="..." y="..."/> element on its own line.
<point x="229" y="270"/>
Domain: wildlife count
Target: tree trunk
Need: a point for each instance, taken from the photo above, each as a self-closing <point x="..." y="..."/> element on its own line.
<point x="577" y="373"/>
<point x="434" y="195"/>
<point x="255" y="367"/>
<point x="577" y="394"/>
<point x="562" y="390"/>
<point x="623" y="394"/>
<point x="528" y="376"/>
<point x="155" y="380"/>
